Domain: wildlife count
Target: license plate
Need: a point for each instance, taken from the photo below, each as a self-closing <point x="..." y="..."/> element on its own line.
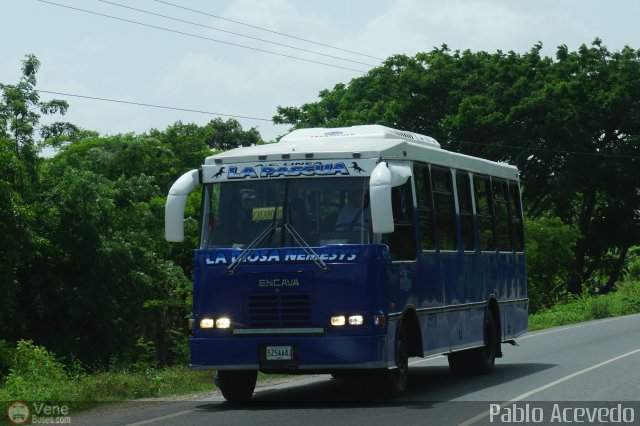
<point x="279" y="353"/>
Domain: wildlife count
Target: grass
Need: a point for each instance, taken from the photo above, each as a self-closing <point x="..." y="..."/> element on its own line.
<point x="625" y="301"/>
<point x="36" y="375"/>
<point x="93" y="389"/>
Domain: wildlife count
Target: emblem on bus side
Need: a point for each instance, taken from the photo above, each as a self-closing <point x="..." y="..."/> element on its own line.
<point x="405" y="280"/>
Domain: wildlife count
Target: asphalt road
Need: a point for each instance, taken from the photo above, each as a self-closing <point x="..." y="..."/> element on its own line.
<point x="559" y="375"/>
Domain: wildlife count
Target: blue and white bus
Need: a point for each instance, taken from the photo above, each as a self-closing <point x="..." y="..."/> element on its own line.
<point x="350" y="249"/>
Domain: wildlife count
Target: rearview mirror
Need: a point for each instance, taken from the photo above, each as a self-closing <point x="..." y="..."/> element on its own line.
<point x="176" y="201"/>
<point x="380" y="199"/>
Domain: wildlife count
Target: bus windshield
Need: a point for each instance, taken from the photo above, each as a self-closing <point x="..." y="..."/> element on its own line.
<point x="321" y="211"/>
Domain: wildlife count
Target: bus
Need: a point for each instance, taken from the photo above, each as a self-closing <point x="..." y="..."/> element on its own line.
<point x="348" y="251"/>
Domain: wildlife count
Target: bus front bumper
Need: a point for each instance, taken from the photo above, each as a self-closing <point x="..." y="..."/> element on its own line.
<point x="307" y="354"/>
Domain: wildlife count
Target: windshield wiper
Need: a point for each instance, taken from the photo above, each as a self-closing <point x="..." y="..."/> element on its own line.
<point x="307" y="248"/>
<point x="267" y="231"/>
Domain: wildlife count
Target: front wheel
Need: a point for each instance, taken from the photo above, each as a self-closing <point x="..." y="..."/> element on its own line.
<point x="237" y="386"/>
<point x="395" y="380"/>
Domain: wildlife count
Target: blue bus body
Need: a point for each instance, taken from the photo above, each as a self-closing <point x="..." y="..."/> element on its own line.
<point x="290" y="302"/>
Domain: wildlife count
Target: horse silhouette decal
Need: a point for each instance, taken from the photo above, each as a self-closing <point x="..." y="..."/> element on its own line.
<point x="356" y="168"/>
<point x="219" y="174"/>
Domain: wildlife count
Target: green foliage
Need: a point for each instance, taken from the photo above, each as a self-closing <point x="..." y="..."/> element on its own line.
<point x="6" y="357"/>
<point x="99" y="208"/>
<point x="599" y="307"/>
<point x="571" y="125"/>
<point x="624" y="301"/>
<point x="146" y="356"/>
<point x="549" y="255"/>
<point x="85" y="269"/>
<point x="35" y="375"/>
<point x="15" y="227"/>
<point x="20" y="112"/>
<point x="633" y="263"/>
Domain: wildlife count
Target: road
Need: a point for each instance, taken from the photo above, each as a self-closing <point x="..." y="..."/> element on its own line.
<point x="577" y="370"/>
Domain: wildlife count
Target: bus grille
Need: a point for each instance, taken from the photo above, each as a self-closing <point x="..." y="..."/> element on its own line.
<point x="279" y="310"/>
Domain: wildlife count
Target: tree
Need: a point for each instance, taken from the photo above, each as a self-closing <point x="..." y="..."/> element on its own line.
<point x="571" y="125"/>
<point x="224" y="135"/>
<point x="107" y="277"/>
<point x="17" y="237"/>
<point x="18" y="180"/>
<point x="19" y="115"/>
<point x="84" y="267"/>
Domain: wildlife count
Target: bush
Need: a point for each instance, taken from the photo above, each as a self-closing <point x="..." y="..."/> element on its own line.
<point x="6" y="355"/>
<point x="35" y="375"/>
<point x="625" y="301"/>
<point x="599" y="307"/>
<point x="549" y="255"/>
<point x="633" y="264"/>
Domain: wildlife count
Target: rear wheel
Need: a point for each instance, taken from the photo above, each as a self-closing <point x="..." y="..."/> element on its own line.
<point x="237" y="386"/>
<point x="478" y="360"/>
<point x="484" y="358"/>
<point x="459" y="362"/>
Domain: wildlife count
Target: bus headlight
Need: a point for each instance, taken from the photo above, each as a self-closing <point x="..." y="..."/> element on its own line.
<point x="223" y="322"/>
<point x="338" y="320"/>
<point x="206" y="323"/>
<point x="356" y="320"/>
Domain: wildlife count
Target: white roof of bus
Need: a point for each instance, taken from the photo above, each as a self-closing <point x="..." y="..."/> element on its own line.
<point x="370" y="141"/>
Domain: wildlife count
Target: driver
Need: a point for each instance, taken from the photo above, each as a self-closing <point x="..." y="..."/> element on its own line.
<point x="356" y="213"/>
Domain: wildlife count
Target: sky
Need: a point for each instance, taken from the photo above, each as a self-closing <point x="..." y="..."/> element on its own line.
<point x="96" y="56"/>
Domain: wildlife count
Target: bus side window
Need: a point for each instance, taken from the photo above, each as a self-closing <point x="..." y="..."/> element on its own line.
<point x="501" y="213"/>
<point x="484" y="213"/>
<point x="425" y="207"/>
<point x="463" y="186"/>
<point x="444" y="205"/>
<point x="402" y="242"/>
<point x="517" y="228"/>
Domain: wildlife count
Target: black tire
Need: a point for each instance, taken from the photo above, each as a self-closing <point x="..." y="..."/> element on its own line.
<point x="395" y="380"/>
<point x="459" y="363"/>
<point x="478" y="360"/>
<point x="484" y="358"/>
<point x="237" y="386"/>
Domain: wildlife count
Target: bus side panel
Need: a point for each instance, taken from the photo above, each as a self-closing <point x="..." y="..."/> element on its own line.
<point x="521" y="276"/>
<point x="430" y="293"/>
<point x="515" y="314"/>
<point x="451" y="263"/>
<point x="435" y="333"/>
<point x="464" y="286"/>
<point x="507" y="277"/>
<point x="466" y="328"/>
<point x="489" y="268"/>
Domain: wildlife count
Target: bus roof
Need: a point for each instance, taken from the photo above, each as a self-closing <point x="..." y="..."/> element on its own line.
<point x="366" y="142"/>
